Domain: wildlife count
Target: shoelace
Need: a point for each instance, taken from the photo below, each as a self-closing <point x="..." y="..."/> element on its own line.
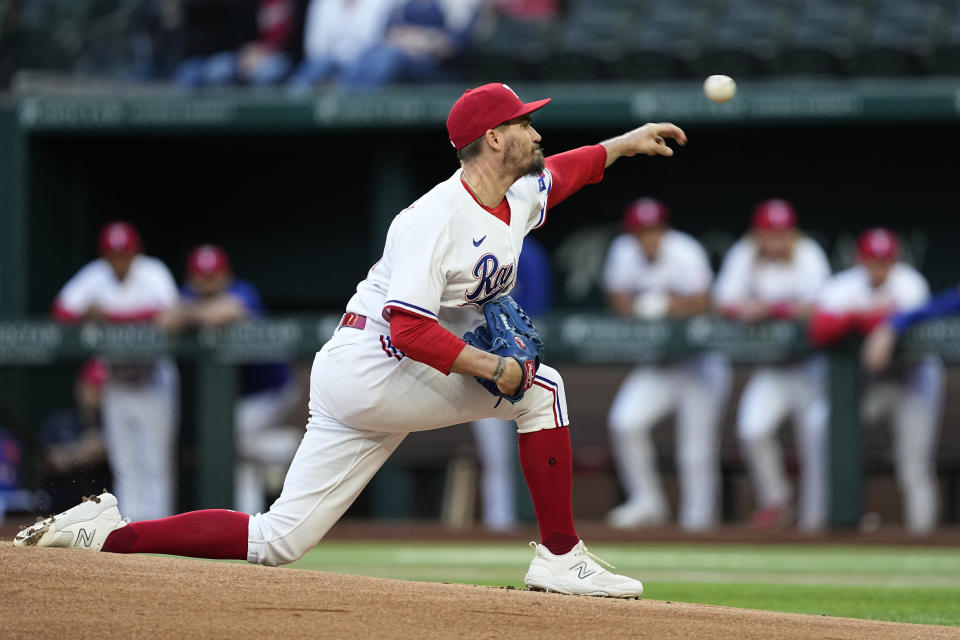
<point x="534" y="545"/>
<point x="595" y="557"/>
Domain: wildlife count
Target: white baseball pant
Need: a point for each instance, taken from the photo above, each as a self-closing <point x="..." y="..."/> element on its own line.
<point x="140" y="426"/>
<point x="365" y="396"/>
<point x="914" y="403"/>
<point x="696" y="390"/>
<point x="771" y="395"/>
<point x="497" y="450"/>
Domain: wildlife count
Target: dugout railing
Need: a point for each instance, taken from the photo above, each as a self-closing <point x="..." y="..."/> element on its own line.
<point x="583" y="338"/>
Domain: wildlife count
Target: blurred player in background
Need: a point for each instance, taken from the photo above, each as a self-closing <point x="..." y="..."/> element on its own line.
<point x="496" y="438"/>
<point x="653" y="271"/>
<point x="140" y="400"/>
<point x="910" y="393"/>
<point x="212" y="297"/>
<point x="73" y="451"/>
<point x="775" y="272"/>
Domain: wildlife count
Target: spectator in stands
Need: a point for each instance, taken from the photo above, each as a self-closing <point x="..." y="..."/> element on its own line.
<point x="655" y="272"/>
<point x="156" y="39"/>
<point x="422" y="43"/>
<point x="73" y="451"/>
<point x="497" y="439"/>
<point x="776" y="273"/>
<point x="265" y="61"/>
<point x="141" y="398"/>
<point x="212" y="297"/>
<point x="336" y="33"/>
<point x="525" y="9"/>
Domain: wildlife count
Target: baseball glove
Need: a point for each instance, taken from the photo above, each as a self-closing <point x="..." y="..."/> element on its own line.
<point x="509" y="333"/>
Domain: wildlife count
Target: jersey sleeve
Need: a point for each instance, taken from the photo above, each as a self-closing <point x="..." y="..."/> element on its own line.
<point x="913" y="293"/>
<point x="945" y="303"/>
<point x="78" y="294"/>
<point x="249" y="296"/>
<point x="572" y="170"/>
<point x="693" y="275"/>
<point x="832" y="297"/>
<point x="417" y="256"/>
<point x="541" y="186"/>
<point x="619" y="270"/>
<point x="167" y="294"/>
<point x="815" y="272"/>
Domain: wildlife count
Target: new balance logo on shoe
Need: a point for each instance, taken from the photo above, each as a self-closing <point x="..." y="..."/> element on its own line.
<point x="85" y="538"/>
<point x="582" y="571"/>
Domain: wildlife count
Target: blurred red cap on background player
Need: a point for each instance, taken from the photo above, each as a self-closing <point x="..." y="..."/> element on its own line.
<point x="206" y="260"/>
<point x="94" y="372"/>
<point x="878" y="244"/>
<point x="485" y="107"/>
<point x="774" y="215"/>
<point x="645" y="213"/>
<point x="119" y="237"/>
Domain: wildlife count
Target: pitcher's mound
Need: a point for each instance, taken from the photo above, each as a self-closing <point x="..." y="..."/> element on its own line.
<point x="62" y="593"/>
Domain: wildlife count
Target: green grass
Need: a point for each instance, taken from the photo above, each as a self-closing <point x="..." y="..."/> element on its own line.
<point x="880" y="583"/>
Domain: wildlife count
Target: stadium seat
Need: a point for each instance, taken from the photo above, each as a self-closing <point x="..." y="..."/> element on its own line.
<point x="665" y="39"/>
<point x="898" y="39"/>
<point x="946" y="58"/>
<point x="822" y="37"/>
<point x="514" y="50"/>
<point x="588" y="40"/>
<point x="743" y="37"/>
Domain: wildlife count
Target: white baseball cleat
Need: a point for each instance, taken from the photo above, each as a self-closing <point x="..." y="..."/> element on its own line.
<point x="576" y="573"/>
<point x="85" y="526"/>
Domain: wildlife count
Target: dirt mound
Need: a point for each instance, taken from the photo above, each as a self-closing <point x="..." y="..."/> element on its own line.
<point x="78" y="594"/>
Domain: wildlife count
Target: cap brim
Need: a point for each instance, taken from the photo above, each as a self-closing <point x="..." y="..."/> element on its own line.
<point x="529" y="107"/>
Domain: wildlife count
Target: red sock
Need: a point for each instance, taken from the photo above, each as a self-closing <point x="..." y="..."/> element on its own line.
<point x="547" y="464"/>
<point x="213" y="533"/>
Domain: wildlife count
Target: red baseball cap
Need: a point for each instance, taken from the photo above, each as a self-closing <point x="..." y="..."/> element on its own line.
<point x="119" y="237"/>
<point x="94" y="372"/>
<point x="483" y="108"/>
<point x="207" y="259"/>
<point x="645" y="213"/>
<point x="878" y="244"/>
<point x="774" y="215"/>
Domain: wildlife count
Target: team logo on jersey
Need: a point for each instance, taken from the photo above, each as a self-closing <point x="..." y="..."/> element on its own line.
<point x="520" y="342"/>
<point x="493" y="280"/>
<point x="542" y="182"/>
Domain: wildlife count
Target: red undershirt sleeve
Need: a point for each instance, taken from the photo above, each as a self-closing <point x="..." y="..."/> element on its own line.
<point x="572" y="170"/>
<point x="424" y="340"/>
<point x="827" y="328"/>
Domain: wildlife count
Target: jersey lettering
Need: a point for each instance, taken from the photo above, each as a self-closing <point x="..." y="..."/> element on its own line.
<point x="493" y="278"/>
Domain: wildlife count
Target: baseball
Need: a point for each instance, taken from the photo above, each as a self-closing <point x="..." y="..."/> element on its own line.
<point x="719" y="88"/>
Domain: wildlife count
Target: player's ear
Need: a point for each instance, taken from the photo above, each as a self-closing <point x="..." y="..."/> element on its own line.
<point x="494" y="139"/>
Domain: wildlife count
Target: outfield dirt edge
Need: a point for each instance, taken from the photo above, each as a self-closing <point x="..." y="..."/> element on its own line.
<point x="90" y="595"/>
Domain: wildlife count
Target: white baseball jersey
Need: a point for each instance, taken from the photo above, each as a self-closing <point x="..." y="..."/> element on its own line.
<point x="681" y="267"/>
<point x="744" y="276"/>
<point x="445" y="256"/>
<point x="848" y="291"/>
<point x="147" y="287"/>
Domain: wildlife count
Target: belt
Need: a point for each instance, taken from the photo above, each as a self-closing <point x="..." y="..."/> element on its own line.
<point x="353" y="320"/>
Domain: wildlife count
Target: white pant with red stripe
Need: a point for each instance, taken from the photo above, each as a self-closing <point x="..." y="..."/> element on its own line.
<point x="365" y="397"/>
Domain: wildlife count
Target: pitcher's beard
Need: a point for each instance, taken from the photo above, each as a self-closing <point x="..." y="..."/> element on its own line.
<point x="534" y="166"/>
<point x="537" y="164"/>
